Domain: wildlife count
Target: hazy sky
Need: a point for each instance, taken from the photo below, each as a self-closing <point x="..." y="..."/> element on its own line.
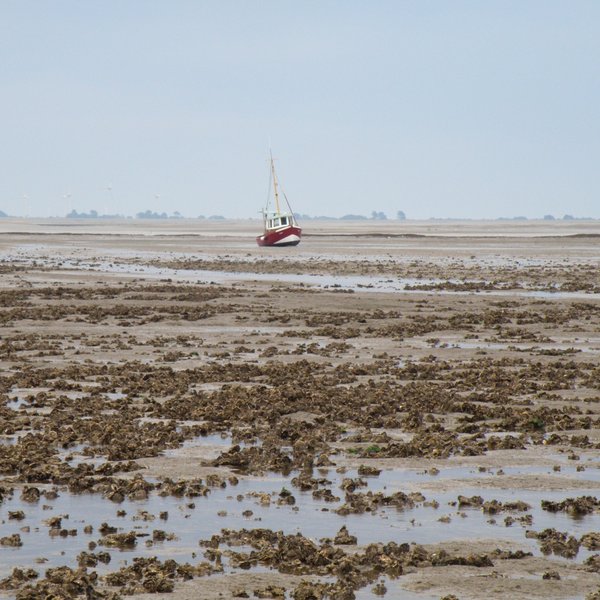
<point x="437" y="108"/>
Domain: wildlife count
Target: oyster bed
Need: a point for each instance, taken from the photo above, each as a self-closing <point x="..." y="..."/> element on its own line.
<point x="361" y="416"/>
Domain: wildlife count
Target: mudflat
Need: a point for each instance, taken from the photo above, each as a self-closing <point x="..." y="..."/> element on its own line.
<point x="390" y="409"/>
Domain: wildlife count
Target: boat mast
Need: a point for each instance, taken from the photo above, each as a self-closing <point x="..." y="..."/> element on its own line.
<point x="275" y="184"/>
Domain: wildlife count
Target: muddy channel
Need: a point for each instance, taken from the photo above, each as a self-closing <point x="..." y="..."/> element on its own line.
<point x="410" y="415"/>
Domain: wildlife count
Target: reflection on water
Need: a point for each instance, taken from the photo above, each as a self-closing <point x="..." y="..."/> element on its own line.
<point x="243" y="506"/>
<point x="355" y="283"/>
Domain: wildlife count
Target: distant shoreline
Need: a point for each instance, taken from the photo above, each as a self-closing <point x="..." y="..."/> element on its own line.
<point x="313" y="229"/>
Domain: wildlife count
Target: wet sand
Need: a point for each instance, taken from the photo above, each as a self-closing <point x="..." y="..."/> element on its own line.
<point x="404" y="409"/>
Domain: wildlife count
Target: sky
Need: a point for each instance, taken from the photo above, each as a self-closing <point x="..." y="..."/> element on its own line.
<point x="443" y="109"/>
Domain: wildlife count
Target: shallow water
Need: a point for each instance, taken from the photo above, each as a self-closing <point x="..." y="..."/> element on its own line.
<point x="192" y="519"/>
<point x="355" y="283"/>
<point x="17" y="403"/>
<point x="482" y="345"/>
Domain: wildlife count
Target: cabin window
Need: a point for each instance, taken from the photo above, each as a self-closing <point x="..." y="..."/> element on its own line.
<point x="284" y="220"/>
<point x="275" y="222"/>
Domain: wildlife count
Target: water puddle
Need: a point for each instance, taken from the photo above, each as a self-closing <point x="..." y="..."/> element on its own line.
<point x="394" y="590"/>
<point x="366" y="283"/>
<point x="255" y="502"/>
<point x="260" y="502"/>
<point x="8" y="440"/>
<point x="482" y="345"/>
<point x="76" y="455"/>
<point x="17" y="404"/>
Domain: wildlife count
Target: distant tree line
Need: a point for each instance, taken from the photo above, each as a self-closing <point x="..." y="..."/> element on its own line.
<point x="545" y="218"/>
<point x="148" y="214"/>
<point x="375" y="215"/>
<point x="93" y="214"/>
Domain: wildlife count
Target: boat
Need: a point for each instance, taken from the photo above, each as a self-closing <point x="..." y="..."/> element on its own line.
<point x="280" y="226"/>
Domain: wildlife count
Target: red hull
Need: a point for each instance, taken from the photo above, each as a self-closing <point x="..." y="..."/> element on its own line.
<point x="288" y="236"/>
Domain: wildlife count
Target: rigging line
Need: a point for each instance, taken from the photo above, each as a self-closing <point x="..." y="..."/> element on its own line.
<point x="287" y="202"/>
